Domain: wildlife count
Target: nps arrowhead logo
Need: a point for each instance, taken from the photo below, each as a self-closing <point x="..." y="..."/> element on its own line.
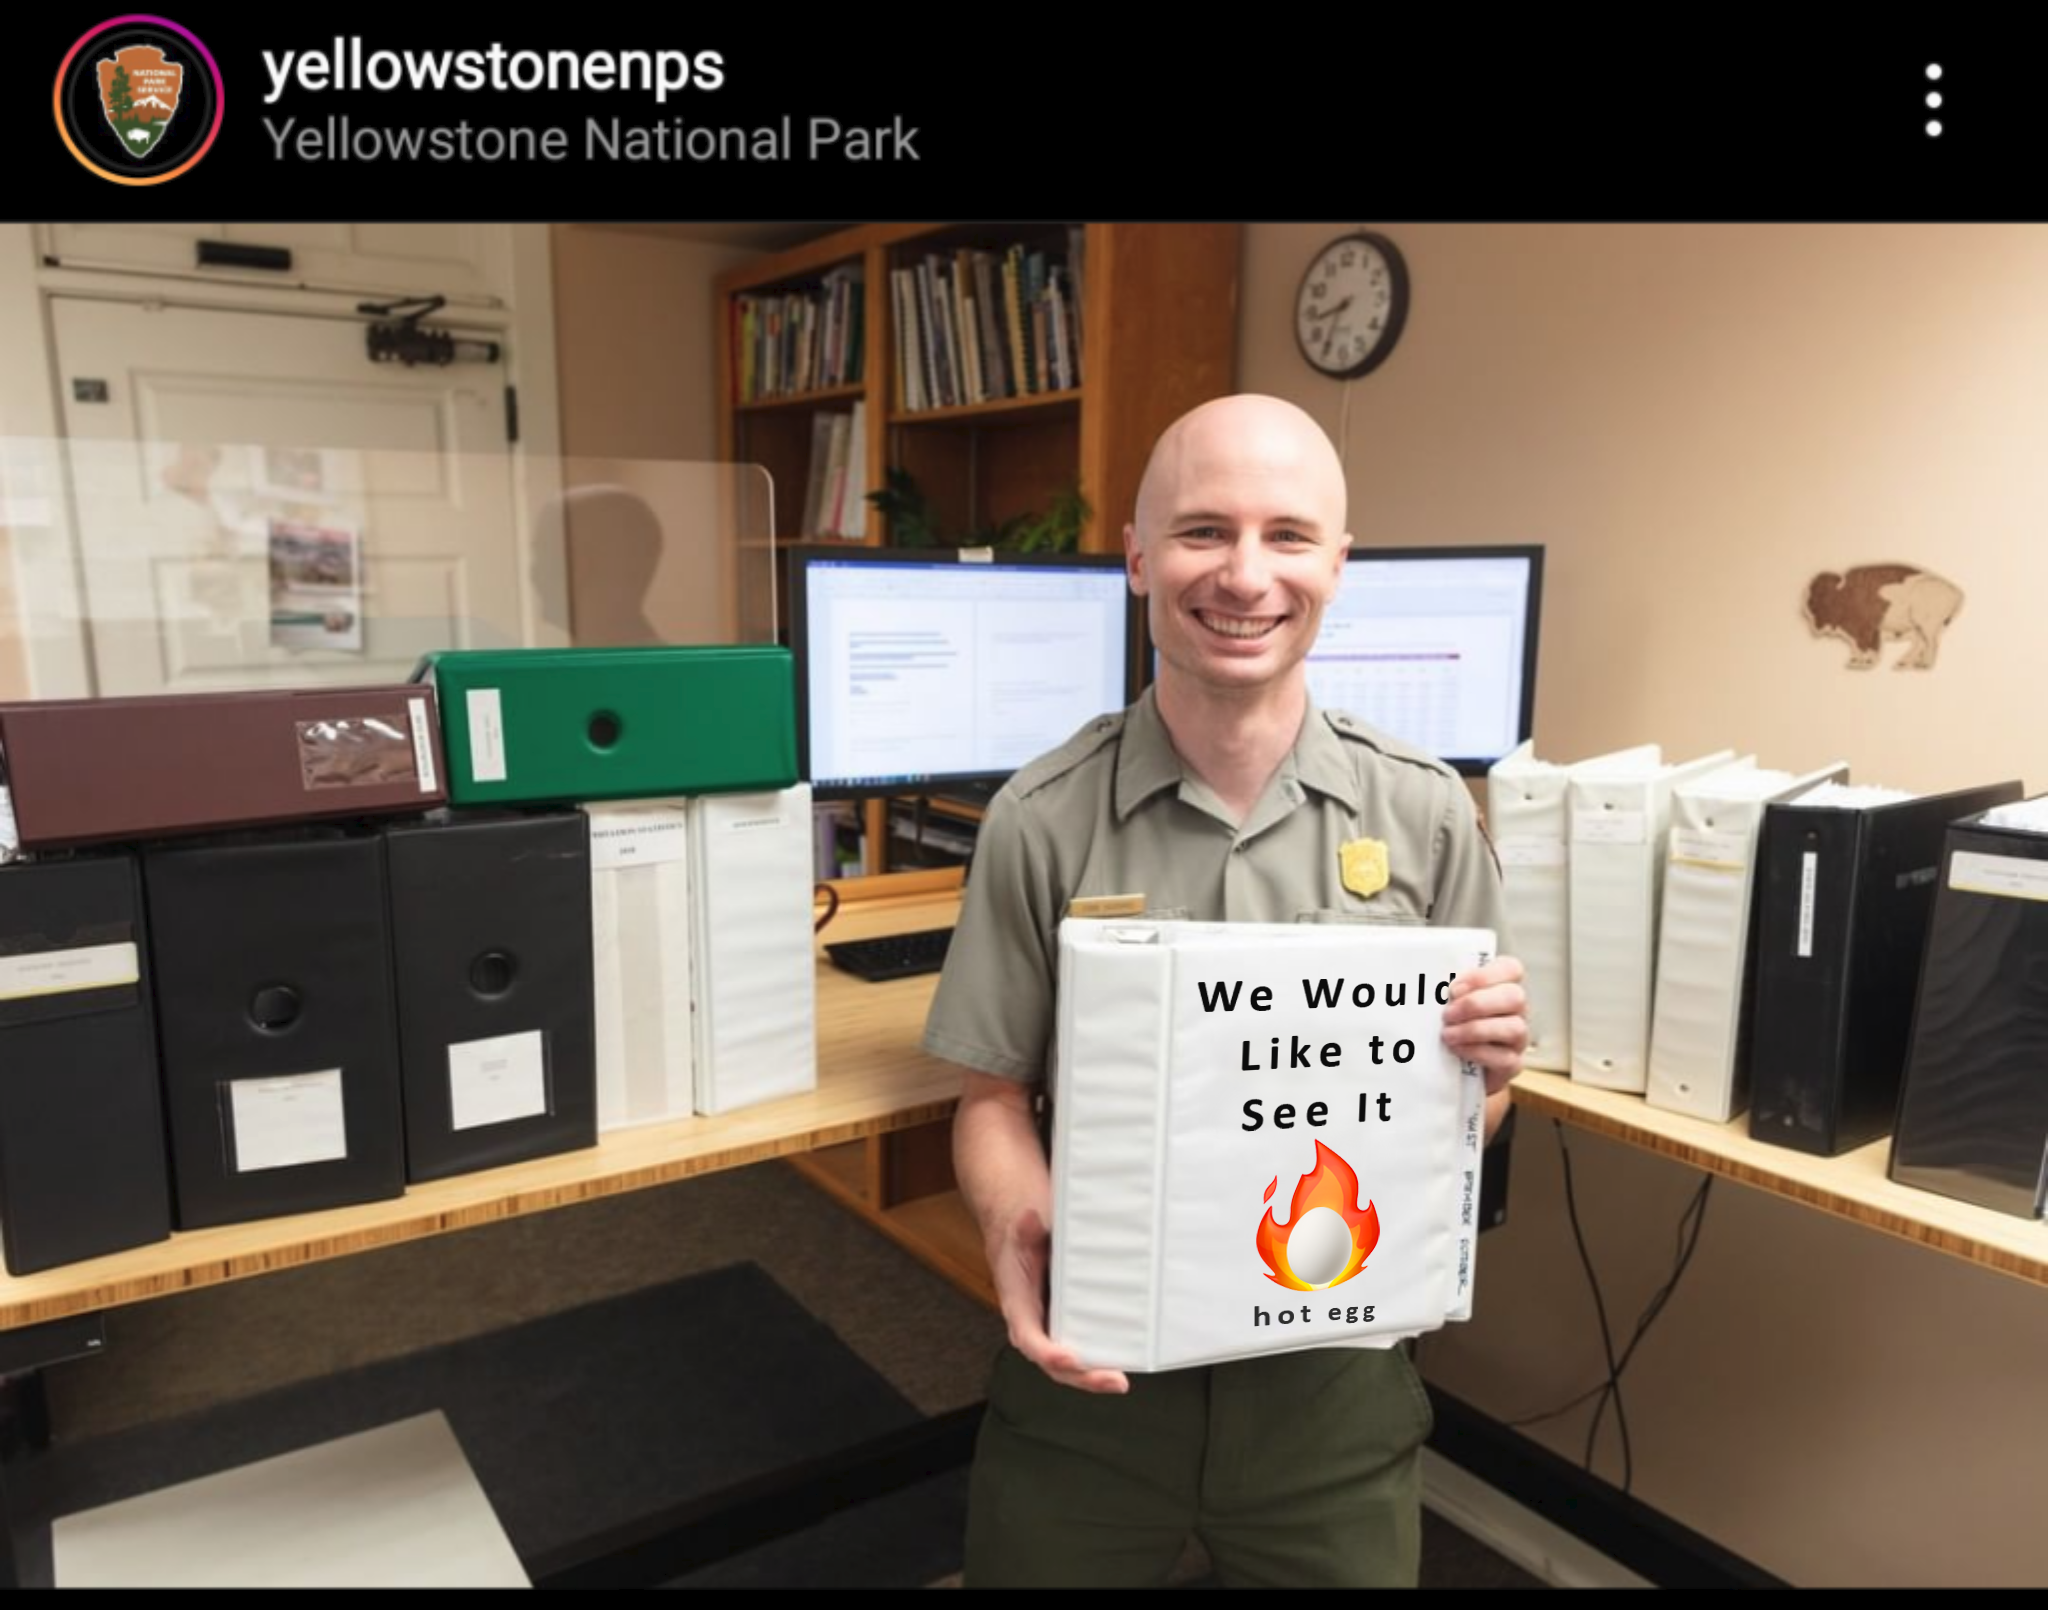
<point x="138" y="100"/>
<point x="139" y="93"/>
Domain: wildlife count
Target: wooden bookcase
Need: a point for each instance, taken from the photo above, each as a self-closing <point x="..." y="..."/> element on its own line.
<point x="1158" y="320"/>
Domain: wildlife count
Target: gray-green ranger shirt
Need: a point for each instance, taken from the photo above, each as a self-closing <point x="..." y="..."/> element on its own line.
<point x="1113" y="811"/>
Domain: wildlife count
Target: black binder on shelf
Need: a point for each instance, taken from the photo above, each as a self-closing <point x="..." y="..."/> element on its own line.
<point x="1973" y="1115"/>
<point x="1845" y="895"/>
<point x="276" y="1025"/>
<point x="491" y="943"/>
<point x="82" y="1165"/>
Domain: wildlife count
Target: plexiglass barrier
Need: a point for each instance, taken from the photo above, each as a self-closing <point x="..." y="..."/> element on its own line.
<point x="157" y="566"/>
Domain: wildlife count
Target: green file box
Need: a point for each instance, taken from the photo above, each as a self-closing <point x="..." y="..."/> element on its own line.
<point x="538" y="726"/>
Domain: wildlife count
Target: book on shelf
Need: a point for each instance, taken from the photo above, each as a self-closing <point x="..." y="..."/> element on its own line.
<point x="791" y="342"/>
<point x="835" y="485"/>
<point x="979" y="326"/>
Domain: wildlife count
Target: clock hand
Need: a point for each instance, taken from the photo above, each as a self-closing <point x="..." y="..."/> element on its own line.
<point x="1329" y="312"/>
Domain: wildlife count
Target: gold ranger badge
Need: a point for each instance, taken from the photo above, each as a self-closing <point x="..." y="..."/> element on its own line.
<point x="1363" y="863"/>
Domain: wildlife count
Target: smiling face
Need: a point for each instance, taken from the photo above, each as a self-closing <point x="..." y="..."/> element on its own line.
<point x="1238" y="544"/>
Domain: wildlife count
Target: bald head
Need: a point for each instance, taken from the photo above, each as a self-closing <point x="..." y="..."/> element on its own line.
<point x="1246" y="436"/>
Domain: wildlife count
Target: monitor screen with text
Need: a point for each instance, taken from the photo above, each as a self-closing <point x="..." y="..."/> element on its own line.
<point x="915" y="671"/>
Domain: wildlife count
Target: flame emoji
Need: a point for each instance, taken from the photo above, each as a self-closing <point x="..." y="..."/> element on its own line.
<point x="1333" y="1187"/>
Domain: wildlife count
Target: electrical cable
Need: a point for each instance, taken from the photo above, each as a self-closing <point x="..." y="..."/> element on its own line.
<point x="1609" y="1390"/>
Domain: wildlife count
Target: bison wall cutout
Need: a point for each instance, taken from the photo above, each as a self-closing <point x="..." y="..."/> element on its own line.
<point x="1873" y="604"/>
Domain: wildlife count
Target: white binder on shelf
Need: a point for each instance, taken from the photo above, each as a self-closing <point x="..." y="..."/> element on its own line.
<point x="1620" y="816"/>
<point x="640" y="916"/>
<point x="1530" y="820"/>
<point x="753" y="963"/>
<point x="1704" y="954"/>
<point x="1260" y="1142"/>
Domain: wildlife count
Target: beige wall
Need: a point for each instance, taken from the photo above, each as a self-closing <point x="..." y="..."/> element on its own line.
<point x="634" y="332"/>
<point x="1695" y="420"/>
<point x="13" y="663"/>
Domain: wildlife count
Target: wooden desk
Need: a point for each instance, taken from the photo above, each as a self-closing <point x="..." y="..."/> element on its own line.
<point x="872" y="1081"/>
<point x="1853" y="1186"/>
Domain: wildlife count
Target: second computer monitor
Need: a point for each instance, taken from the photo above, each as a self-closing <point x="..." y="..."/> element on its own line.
<point x="1434" y="646"/>
<point x="919" y="670"/>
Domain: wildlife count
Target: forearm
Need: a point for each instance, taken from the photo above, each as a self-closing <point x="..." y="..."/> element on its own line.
<point x="997" y="1157"/>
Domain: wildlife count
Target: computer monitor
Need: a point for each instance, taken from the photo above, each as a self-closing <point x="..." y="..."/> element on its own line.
<point x="918" y="671"/>
<point x="1436" y="647"/>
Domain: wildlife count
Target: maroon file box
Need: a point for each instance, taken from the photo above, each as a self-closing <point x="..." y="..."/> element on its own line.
<point x="91" y="771"/>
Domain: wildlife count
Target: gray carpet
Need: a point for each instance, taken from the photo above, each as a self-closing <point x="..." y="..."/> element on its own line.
<point x="587" y="1420"/>
<point x="931" y="1343"/>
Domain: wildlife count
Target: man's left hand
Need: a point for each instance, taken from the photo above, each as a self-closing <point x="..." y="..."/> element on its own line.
<point x="1484" y="1023"/>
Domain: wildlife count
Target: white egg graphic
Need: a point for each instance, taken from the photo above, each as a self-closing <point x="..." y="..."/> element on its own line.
<point x="1319" y="1246"/>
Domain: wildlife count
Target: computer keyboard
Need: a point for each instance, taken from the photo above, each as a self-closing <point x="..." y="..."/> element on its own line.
<point x="892" y="955"/>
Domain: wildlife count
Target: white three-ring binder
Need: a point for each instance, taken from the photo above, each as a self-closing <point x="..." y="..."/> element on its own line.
<point x="753" y="961"/>
<point x="1529" y="815"/>
<point x="1703" y="948"/>
<point x="1620" y="814"/>
<point x="1260" y="1141"/>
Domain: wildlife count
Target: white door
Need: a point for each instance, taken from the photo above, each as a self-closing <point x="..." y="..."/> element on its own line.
<point x="464" y="262"/>
<point x="258" y="503"/>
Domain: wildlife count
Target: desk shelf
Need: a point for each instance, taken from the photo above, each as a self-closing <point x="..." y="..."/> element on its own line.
<point x="872" y="1082"/>
<point x="1853" y="1186"/>
<point x="936" y="1228"/>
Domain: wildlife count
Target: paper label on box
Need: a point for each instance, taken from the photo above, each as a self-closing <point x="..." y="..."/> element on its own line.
<point x="1703" y="847"/>
<point x="638" y="837"/>
<point x="422" y="746"/>
<point x="486" y="736"/>
<point x="769" y="815"/>
<point x="60" y="972"/>
<point x="2010" y="876"/>
<point x="1610" y="827"/>
<point x="285" y="1122"/>
<point x="1523" y="851"/>
<point x="497" y="1080"/>
<point x="1809" y="870"/>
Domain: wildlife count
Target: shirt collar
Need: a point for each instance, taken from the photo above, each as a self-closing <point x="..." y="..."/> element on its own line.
<point x="1147" y="763"/>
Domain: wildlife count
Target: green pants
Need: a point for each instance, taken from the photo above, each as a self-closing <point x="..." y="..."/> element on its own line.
<point x="1299" y="1470"/>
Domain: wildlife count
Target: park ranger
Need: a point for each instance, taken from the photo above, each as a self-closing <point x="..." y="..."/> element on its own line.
<point x="1221" y="795"/>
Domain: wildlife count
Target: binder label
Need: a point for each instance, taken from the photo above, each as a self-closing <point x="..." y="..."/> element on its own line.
<point x="1809" y="868"/>
<point x="1610" y="827"/>
<point x="283" y="1123"/>
<point x="647" y="837"/>
<point x="1522" y="851"/>
<point x="60" y="972"/>
<point x="2008" y="876"/>
<point x="497" y="1080"/>
<point x="422" y="747"/>
<point x="1704" y="847"/>
<point x="486" y="736"/>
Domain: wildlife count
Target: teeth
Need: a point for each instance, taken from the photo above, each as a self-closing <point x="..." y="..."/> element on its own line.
<point x="1237" y="628"/>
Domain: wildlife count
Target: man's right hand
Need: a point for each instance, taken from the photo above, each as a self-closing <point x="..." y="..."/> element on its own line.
<point x="1003" y="1175"/>
<point x="1021" y="1261"/>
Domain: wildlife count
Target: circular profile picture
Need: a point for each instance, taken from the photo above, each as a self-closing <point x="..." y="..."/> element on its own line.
<point x="138" y="100"/>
